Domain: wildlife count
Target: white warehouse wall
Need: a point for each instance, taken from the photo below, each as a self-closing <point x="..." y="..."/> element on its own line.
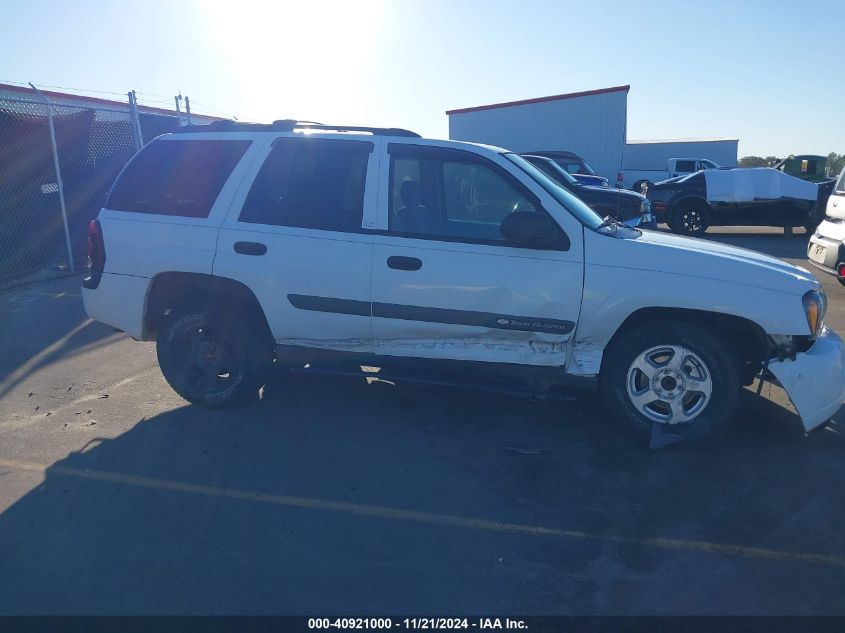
<point x="590" y="124"/>
<point x="642" y="155"/>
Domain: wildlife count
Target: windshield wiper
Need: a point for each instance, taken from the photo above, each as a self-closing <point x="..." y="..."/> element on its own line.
<point x="610" y="221"/>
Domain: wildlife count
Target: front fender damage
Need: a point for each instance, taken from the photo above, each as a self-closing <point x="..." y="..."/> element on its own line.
<point x="815" y="380"/>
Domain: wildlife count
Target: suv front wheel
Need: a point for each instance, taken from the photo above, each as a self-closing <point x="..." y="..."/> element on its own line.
<point x="211" y="359"/>
<point x="670" y="373"/>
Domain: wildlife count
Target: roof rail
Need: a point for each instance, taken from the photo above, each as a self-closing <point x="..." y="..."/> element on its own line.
<point x="288" y="125"/>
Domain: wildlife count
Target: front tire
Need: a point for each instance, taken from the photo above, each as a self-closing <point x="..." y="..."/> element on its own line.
<point x="690" y="218"/>
<point x="212" y="358"/>
<point x="672" y="373"/>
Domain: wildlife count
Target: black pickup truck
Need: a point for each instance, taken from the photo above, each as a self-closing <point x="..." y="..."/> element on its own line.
<point x="738" y="197"/>
<point x="626" y="206"/>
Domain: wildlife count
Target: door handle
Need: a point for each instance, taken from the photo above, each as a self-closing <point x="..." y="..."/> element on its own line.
<point x="404" y="263"/>
<point x="250" y="248"/>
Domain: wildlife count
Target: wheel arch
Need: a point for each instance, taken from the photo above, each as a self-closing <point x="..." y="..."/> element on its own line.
<point x="694" y="198"/>
<point x="169" y="289"/>
<point x="746" y="339"/>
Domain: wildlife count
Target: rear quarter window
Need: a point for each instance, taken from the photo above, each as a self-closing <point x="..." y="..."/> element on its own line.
<point x="177" y="178"/>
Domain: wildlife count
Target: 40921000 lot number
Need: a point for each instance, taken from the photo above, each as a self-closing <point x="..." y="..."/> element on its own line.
<point x="417" y="623"/>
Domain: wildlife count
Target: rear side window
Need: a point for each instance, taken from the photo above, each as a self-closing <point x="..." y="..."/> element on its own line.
<point x="685" y="166"/>
<point x="312" y="184"/>
<point x="179" y="178"/>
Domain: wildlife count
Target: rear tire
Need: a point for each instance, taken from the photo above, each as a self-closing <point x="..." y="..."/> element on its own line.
<point x="213" y="358"/>
<point x="698" y="384"/>
<point x="690" y="218"/>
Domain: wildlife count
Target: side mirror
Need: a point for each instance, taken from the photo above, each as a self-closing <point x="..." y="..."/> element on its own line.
<point x="532" y="229"/>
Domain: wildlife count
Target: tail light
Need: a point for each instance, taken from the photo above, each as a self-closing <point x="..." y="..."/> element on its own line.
<point x="96" y="251"/>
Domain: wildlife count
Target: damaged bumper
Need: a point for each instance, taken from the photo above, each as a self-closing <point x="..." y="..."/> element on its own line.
<point x="815" y="380"/>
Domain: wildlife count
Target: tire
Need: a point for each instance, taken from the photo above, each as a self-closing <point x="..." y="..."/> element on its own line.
<point x="213" y="358"/>
<point x="705" y="363"/>
<point x="690" y="218"/>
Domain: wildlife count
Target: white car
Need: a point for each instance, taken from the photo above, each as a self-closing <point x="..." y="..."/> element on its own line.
<point x="234" y="246"/>
<point x="826" y="249"/>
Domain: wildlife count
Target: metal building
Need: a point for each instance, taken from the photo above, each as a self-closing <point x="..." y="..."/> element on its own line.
<point x="591" y="124"/>
<point x="655" y="154"/>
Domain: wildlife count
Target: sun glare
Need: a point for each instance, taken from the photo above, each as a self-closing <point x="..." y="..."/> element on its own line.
<point x="295" y="59"/>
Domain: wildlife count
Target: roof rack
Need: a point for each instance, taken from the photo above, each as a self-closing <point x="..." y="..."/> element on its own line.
<point x="288" y="125"/>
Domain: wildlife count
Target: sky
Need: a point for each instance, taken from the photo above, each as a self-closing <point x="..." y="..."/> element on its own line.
<point x="768" y="73"/>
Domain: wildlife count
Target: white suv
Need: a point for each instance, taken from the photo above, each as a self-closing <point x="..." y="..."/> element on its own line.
<point x="234" y="246"/>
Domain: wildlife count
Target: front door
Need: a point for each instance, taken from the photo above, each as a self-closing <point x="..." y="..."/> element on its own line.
<point x="445" y="282"/>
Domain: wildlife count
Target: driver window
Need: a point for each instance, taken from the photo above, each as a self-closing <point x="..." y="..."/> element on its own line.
<point x="443" y="194"/>
<point x="477" y="200"/>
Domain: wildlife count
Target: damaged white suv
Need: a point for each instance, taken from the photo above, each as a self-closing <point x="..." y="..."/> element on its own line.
<point x="237" y="246"/>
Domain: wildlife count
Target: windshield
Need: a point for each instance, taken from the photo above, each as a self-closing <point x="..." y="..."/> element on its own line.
<point x="577" y="208"/>
<point x="687" y="177"/>
<point x="574" y="167"/>
<point x="840" y="184"/>
<point x="554" y="171"/>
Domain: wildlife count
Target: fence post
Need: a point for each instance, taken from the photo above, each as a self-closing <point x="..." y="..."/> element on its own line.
<point x="135" y="122"/>
<point x="59" y="183"/>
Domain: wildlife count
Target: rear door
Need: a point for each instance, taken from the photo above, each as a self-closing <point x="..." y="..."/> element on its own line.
<point x="445" y="282"/>
<point x="294" y="236"/>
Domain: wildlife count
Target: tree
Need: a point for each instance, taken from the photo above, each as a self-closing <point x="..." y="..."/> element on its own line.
<point x="757" y="161"/>
<point x="835" y="163"/>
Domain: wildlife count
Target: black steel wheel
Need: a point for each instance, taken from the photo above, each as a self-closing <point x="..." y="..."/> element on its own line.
<point x="690" y="218"/>
<point x="212" y="359"/>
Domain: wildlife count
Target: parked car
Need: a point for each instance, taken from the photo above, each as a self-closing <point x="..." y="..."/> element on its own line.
<point x="636" y="179"/>
<point x="234" y="245"/>
<point x="628" y="207"/>
<point x="826" y="249"/>
<point x="574" y="165"/>
<point x="759" y="196"/>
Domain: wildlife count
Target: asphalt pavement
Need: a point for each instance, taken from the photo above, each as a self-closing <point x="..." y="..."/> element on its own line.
<point x="347" y="496"/>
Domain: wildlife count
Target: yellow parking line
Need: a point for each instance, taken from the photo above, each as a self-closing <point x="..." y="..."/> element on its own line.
<point x="829" y="560"/>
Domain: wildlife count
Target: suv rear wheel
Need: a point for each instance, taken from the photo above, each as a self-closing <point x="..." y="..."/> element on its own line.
<point x="670" y="373"/>
<point x="211" y="358"/>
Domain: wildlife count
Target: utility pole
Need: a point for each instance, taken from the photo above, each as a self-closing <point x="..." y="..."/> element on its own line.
<point x="188" y="108"/>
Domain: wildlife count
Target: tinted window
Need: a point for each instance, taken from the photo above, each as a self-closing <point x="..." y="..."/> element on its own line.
<point x="452" y="195"/>
<point x="313" y="184"/>
<point x="180" y="178"/>
<point x="685" y="166"/>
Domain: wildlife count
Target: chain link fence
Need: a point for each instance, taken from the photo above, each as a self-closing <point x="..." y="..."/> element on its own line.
<point x="72" y="167"/>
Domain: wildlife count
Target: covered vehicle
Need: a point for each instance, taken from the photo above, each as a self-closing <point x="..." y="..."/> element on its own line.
<point x="628" y="207"/>
<point x="574" y="165"/>
<point x="759" y="196"/>
<point x="826" y="249"/>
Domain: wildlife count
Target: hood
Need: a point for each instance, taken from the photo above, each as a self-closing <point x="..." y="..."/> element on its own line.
<point x="610" y="197"/>
<point x="590" y="179"/>
<point x="654" y="250"/>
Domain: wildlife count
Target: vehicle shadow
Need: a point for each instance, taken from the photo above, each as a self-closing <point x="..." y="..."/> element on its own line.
<point x="231" y="511"/>
<point x="42" y="324"/>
